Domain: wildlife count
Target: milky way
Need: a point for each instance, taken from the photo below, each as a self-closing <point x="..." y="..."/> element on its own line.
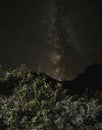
<point x="57" y="37"/>
<point x="56" y="52"/>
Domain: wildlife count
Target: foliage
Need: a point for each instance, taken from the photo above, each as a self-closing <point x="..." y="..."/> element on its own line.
<point x="34" y="105"/>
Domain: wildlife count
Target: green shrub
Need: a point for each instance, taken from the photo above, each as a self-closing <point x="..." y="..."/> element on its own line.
<point x="35" y="105"/>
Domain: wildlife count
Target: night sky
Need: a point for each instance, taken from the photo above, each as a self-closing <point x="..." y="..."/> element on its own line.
<point x="57" y="37"/>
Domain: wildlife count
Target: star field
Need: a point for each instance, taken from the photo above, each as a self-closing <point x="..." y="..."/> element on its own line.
<point x="58" y="37"/>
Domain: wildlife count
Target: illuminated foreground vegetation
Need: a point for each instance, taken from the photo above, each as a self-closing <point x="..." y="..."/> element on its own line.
<point x="28" y="102"/>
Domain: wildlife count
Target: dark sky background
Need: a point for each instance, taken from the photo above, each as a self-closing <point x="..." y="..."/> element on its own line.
<point x="57" y="37"/>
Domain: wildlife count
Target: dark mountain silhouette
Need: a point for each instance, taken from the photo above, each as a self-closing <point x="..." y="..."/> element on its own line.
<point x="90" y="79"/>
